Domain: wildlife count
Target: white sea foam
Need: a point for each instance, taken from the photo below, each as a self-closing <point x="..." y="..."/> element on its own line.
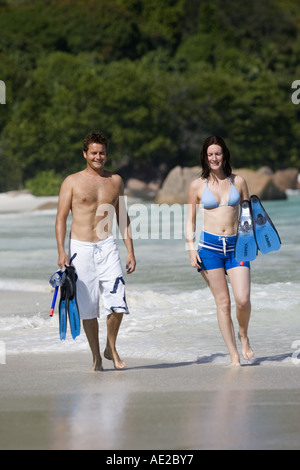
<point x="171" y="327"/>
<point x="23" y="285"/>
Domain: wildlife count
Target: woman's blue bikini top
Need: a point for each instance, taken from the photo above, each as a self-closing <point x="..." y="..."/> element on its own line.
<point x="208" y="200"/>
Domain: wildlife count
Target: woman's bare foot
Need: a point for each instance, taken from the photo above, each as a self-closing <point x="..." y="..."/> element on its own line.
<point x="118" y="363"/>
<point x="235" y="361"/>
<point x="246" y="348"/>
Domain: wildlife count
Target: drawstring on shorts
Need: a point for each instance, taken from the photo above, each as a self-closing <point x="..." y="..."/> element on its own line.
<point x="224" y="240"/>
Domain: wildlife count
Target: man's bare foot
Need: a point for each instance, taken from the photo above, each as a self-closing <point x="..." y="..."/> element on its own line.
<point x="246" y="348"/>
<point x="118" y="363"/>
<point x="97" y="366"/>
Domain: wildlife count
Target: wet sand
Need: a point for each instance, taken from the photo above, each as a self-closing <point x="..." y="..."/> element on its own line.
<point x="52" y="401"/>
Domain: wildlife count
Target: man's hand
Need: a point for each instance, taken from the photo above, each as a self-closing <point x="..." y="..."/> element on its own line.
<point x="130" y="263"/>
<point x="63" y="260"/>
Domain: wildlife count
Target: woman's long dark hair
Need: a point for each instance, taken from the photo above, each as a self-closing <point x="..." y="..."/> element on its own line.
<point x="215" y="140"/>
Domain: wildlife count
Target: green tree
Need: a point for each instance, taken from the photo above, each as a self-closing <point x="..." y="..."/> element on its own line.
<point x="156" y="77"/>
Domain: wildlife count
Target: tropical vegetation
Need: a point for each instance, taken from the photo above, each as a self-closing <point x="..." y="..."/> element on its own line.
<point x="156" y="76"/>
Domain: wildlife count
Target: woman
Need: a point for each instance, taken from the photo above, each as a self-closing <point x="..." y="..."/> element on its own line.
<point x="219" y="192"/>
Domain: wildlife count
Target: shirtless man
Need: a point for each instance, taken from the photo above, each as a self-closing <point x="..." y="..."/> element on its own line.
<point x="93" y="196"/>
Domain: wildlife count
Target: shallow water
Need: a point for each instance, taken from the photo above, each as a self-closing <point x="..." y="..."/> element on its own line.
<point x="172" y="311"/>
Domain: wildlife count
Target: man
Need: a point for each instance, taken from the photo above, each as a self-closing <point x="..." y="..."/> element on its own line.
<point x="93" y="196"/>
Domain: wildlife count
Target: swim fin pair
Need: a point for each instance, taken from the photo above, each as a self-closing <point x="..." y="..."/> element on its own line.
<point x="68" y="304"/>
<point x="255" y="232"/>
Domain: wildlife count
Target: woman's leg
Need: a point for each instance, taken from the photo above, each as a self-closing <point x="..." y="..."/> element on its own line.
<point x="217" y="283"/>
<point x="240" y="281"/>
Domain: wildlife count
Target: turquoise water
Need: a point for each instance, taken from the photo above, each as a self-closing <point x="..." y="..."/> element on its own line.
<point x="172" y="312"/>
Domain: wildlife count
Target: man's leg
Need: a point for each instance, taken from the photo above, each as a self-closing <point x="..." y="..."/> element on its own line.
<point x="92" y="333"/>
<point x="113" y="324"/>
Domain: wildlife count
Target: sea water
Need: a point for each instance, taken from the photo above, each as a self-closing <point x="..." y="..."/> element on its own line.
<point x="172" y="312"/>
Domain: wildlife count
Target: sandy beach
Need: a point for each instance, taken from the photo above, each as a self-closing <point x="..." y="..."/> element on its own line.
<point x="52" y="401"/>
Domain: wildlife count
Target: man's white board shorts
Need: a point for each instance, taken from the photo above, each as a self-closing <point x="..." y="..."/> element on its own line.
<point x="99" y="270"/>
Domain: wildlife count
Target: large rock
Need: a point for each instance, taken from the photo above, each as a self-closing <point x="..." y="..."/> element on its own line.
<point x="176" y="185"/>
<point x="140" y="189"/>
<point x="142" y="179"/>
<point x="286" y="179"/>
<point x="261" y="184"/>
<point x="265" y="185"/>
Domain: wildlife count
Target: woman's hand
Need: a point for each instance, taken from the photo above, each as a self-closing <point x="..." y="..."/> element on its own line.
<point x="195" y="259"/>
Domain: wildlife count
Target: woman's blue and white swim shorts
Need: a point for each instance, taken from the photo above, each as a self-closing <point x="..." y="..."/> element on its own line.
<point x="217" y="251"/>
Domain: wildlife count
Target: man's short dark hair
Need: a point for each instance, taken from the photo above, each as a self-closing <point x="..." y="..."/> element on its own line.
<point x="94" y="138"/>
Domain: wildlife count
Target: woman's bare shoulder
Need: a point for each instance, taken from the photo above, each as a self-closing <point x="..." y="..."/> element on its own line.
<point x="241" y="184"/>
<point x="196" y="190"/>
<point x="197" y="183"/>
<point x="238" y="180"/>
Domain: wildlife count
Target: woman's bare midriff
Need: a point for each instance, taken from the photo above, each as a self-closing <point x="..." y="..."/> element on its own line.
<point x="221" y="220"/>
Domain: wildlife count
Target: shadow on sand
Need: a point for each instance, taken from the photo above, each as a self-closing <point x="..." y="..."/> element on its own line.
<point x="217" y="358"/>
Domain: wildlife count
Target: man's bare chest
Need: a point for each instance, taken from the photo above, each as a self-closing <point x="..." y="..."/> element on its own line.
<point x="95" y="194"/>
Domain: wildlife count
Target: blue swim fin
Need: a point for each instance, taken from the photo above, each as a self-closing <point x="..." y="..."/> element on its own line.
<point x="266" y="235"/>
<point x="245" y="246"/>
<point x="62" y="313"/>
<point x="71" y="301"/>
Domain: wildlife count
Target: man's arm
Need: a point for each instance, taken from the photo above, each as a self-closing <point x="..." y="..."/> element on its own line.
<point x="63" y="210"/>
<point x="124" y="226"/>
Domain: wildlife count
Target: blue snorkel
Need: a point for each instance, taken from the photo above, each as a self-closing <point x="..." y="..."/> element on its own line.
<point x="55" y="281"/>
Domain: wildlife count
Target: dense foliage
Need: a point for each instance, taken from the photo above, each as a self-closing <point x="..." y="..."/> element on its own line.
<point x="155" y="76"/>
